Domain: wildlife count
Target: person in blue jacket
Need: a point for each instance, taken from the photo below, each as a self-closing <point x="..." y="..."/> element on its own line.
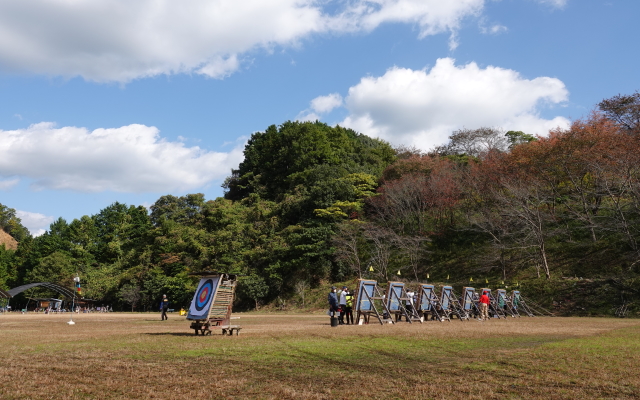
<point x="333" y="304"/>
<point x="164" y="306"/>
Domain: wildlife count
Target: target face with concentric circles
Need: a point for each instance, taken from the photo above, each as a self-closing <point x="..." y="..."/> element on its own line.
<point x="204" y="295"/>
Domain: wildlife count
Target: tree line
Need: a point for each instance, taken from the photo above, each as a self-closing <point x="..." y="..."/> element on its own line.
<point x="312" y="203"/>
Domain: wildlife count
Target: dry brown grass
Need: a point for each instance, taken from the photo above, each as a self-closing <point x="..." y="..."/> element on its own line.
<point x="8" y="241"/>
<point x="136" y="356"/>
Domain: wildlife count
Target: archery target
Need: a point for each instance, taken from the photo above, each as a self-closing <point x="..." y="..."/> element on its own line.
<point x="362" y="302"/>
<point x="395" y="292"/>
<point x="427" y="295"/>
<point x="204" y="294"/>
<point x="203" y="298"/>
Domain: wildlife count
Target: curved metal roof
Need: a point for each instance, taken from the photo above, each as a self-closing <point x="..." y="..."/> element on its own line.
<point x="57" y="288"/>
<point x="4" y="295"/>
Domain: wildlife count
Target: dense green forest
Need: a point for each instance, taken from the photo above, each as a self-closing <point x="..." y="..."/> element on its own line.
<point x="558" y="216"/>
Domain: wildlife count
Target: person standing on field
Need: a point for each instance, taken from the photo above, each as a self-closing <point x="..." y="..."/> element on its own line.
<point x="333" y="304"/>
<point x="343" y="304"/>
<point x="409" y="302"/>
<point x="164" y="307"/>
<point x="348" y="310"/>
<point x="483" y="303"/>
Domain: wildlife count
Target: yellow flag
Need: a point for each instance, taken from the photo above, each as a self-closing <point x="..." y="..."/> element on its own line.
<point x="370" y="268"/>
<point x="486" y="280"/>
<point x="399" y="272"/>
<point x="470" y="279"/>
<point x="447" y="277"/>
<point x="427" y="276"/>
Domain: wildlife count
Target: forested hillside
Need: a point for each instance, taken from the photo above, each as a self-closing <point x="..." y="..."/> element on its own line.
<point x="557" y="215"/>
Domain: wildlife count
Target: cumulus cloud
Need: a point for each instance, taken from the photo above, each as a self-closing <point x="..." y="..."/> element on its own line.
<point x="121" y="40"/>
<point x="131" y="158"/>
<point x="324" y="104"/>
<point x="319" y="106"/>
<point x="423" y="107"/>
<point x="36" y="223"/>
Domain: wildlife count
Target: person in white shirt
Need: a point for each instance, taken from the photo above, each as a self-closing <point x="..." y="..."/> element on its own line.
<point x="343" y="304"/>
<point x="409" y="303"/>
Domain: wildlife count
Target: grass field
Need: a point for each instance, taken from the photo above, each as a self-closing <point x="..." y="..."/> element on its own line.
<point x="276" y="356"/>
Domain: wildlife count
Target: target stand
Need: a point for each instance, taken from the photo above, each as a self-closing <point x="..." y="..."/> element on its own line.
<point x="396" y="299"/>
<point x="369" y="299"/>
<point x="212" y="302"/>
<point x="428" y="303"/>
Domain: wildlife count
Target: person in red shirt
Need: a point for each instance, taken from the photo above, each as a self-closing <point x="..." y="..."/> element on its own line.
<point x="483" y="303"/>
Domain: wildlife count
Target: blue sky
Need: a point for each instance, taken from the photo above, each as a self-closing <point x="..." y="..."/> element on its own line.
<point x="106" y="101"/>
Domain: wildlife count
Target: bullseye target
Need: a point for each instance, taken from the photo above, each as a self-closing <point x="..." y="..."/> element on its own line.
<point x="204" y="295"/>
<point x="202" y="299"/>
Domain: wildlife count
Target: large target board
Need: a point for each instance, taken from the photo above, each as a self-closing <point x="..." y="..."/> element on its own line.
<point x="426" y="295"/>
<point x="365" y="292"/>
<point x="515" y="299"/>
<point x="502" y="298"/>
<point x="468" y="299"/>
<point x="201" y="303"/>
<point x="393" y="296"/>
<point x="445" y="298"/>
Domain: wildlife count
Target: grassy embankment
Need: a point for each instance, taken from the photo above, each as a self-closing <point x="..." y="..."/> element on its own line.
<point x="136" y="356"/>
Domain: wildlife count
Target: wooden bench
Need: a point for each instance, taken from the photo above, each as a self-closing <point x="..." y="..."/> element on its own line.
<point x="228" y="329"/>
<point x="205" y="328"/>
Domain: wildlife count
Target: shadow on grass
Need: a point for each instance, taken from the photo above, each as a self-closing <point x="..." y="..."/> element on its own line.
<point x="159" y="320"/>
<point x="172" y="334"/>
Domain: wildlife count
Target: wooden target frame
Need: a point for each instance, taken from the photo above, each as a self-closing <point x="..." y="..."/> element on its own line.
<point x="368" y="299"/>
<point x="502" y="303"/>
<point x="428" y="303"/>
<point x="212" y="303"/>
<point x="396" y="299"/>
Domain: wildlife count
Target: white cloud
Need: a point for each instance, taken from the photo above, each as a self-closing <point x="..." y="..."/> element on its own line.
<point x="494" y="29"/>
<point x="132" y="158"/>
<point x="121" y="40"/>
<point x="7" y="184"/>
<point x="319" y="106"/>
<point x="554" y="3"/>
<point x="36" y="223"/>
<point x="308" y="116"/>
<point x="431" y="16"/>
<point x="423" y="107"/>
<point x="324" y="104"/>
<point x="220" y="67"/>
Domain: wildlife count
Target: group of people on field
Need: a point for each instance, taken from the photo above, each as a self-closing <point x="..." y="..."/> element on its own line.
<point x="341" y="304"/>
